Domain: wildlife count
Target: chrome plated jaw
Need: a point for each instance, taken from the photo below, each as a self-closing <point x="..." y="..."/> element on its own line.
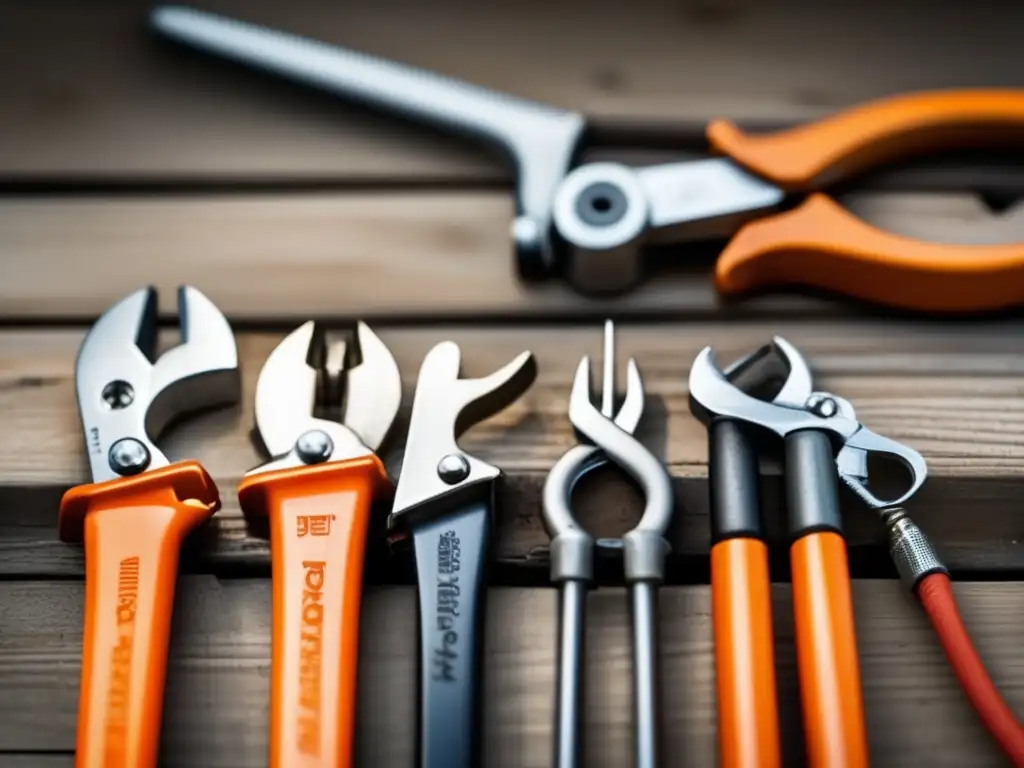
<point x="798" y="407"/>
<point x="611" y="439"/>
<point x="289" y="389"/>
<point x="437" y="474"/>
<point x="127" y="397"/>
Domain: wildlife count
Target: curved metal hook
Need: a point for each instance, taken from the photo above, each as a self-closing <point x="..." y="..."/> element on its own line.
<point x="851" y="463"/>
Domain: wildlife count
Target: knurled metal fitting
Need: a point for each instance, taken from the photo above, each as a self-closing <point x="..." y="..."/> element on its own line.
<point x="910" y="549"/>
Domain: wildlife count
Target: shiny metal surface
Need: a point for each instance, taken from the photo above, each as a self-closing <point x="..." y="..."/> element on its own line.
<point x="288" y="389"/>
<point x="124" y="391"/>
<point x="540" y="140"/>
<point x="444" y="407"/>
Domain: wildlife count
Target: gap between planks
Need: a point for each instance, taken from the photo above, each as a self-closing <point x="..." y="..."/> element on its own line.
<point x="413" y="256"/>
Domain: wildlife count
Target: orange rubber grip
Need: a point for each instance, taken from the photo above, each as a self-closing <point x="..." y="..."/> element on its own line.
<point x="133" y="529"/>
<point x="893" y="128"/>
<point x="826" y="643"/>
<point x="318" y="521"/>
<point x="821" y="245"/>
<point x="748" y="722"/>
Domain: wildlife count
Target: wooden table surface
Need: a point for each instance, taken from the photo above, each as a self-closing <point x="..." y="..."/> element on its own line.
<point x="126" y="161"/>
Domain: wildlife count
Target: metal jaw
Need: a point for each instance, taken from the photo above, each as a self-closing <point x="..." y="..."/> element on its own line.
<point x="572" y="546"/>
<point x="127" y="398"/>
<point x="435" y="471"/>
<point x="713" y="395"/>
<point x="289" y="389"/>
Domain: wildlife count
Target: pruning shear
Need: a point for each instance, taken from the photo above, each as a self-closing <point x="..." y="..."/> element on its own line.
<point x="590" y="222"/>
<point x="824" y="442"/>
<point x="138" y="509"/>
<point x="317" y="491"/>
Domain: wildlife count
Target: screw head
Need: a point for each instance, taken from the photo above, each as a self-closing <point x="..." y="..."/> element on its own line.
<point x="825" y="407"/>
<point x="314" y="447"/>
<point x="453" y="468"/>
<point x="118" y="394"/>
<point x="128" y="456"/>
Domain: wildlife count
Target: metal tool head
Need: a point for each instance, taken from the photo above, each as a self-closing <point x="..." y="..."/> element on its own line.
<point x="127" y="397"/>
<point x="289" y="390"/>
<point x="435" y="470"/>
<point x="798" y="406"/>
<point x="610" y="437"/>
<point x="541" y="141"/>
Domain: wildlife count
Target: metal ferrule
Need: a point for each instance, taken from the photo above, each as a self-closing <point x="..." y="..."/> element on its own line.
<point x="913" y="554"/>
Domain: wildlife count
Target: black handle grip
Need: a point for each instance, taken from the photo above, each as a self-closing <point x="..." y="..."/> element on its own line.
<point x="812" y="497"/>
<point x="734" y="482"/>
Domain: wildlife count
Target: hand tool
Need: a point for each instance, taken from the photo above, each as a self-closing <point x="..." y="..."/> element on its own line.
<point x="138" y="509"/>
<point x="317" y="490"/>
<point x="589" y="222"/>
<point x="823" y="440"/>
<point x="444" y="503"/>
<point x="644" y="550"/>
<point x="748" y="722"/>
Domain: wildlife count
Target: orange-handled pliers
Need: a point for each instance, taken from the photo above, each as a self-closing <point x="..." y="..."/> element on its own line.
<point x="137" y="511"/>
<point x="317" y="492"/>
<point x="590" y="221"/>
<point x="824" y="443"/>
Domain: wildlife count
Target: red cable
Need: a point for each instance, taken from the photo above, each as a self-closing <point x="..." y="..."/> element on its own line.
<point x="936" y="595"/>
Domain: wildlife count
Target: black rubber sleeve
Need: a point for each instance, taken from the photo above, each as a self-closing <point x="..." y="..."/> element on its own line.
<point x="734" y="481"/>
<point x="451" y="553"/>
<point x="812" y="497"/>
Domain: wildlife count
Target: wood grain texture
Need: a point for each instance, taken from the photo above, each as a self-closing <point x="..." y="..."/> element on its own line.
<point x="951" y="390"/>
<point x="217" y="691"/>
<point x="89" y="94"/>
<point x="400" y="255"/>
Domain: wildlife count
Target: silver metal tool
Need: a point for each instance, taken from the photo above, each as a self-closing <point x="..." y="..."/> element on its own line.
<point x="572" y="551"/>
<point x="801" y="408"/>
<point x="289" y="389"/>
<point x="127" y="397"/>
<point x="588" y="223"/>
<point x="445" y="503"/>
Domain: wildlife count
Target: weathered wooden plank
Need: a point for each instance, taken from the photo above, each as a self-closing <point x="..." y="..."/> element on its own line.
<point x="952" y="390"/>
<point x="406" y="255"/>
<point x="217" y="691"/>
<point x="88" y="93"/>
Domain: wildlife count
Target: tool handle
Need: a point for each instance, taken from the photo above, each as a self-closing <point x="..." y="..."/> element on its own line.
<point x="568" y="752"/>
<point x="132" y="529"/>
<point x="748" y="722"/>
<point x="832" y="703"/>
<point x="819" y="244"/>
<point x="318" y="519"/>
<point x="877" y="132"/>
<point x="451" y="553"/>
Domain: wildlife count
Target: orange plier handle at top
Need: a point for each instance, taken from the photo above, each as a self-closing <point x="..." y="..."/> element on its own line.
<point x="819" y="244"/>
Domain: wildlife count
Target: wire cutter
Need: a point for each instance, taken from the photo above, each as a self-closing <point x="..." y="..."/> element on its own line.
<point x="644" y="548"/>
<point x="138" y="509"/>
<point x="444" y="504"/>
<point x="589" y="222"/>
<point x="317" y="491"/>
<point x="823" y="441"/>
